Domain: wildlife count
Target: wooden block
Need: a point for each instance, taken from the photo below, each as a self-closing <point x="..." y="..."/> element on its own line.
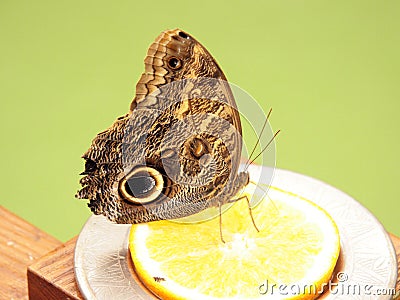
<point x="52" y="277"/>
<point x="20" y="244"/>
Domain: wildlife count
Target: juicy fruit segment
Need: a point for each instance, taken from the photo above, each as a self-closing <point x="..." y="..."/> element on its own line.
<point x="297" y="246"/>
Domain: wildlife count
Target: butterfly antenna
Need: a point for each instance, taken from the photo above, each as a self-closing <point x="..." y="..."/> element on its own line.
<point x="259" y="136"/>
<point x="269" y="143"/>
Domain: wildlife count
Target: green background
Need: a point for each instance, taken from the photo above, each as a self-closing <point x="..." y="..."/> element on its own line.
<point x="329" y="69"/>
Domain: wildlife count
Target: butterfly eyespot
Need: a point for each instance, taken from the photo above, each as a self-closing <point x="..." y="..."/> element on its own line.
<point x="198" y="147"/>
<point x="183" y="35"/>
<point x="142" y="185"/>
<point x="174" y="63"/>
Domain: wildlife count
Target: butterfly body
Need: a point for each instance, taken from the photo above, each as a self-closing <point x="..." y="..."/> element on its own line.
<point x="177" y="151"/>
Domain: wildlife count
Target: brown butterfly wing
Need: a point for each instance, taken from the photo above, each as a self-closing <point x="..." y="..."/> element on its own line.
<point x="196" y="62"/>
<point x="175" y="96"/>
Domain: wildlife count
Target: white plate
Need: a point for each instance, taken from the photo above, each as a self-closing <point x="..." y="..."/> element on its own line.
<point x="368" y="259"/>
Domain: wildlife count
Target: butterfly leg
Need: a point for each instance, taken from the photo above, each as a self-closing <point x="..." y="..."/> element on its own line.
<point x="220" y="222"/>
<point x="251" y="213"/>
<point x="248" y="205"/>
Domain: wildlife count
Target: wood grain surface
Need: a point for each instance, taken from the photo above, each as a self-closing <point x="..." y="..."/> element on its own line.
<point x="52" y="276"/>
<point x="20" y="245"/>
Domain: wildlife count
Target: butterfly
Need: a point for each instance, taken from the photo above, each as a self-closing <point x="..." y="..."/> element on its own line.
<point x="177" y="151"/>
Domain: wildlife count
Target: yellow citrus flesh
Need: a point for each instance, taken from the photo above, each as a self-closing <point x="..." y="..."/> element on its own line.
<point x="291" y="256"/>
